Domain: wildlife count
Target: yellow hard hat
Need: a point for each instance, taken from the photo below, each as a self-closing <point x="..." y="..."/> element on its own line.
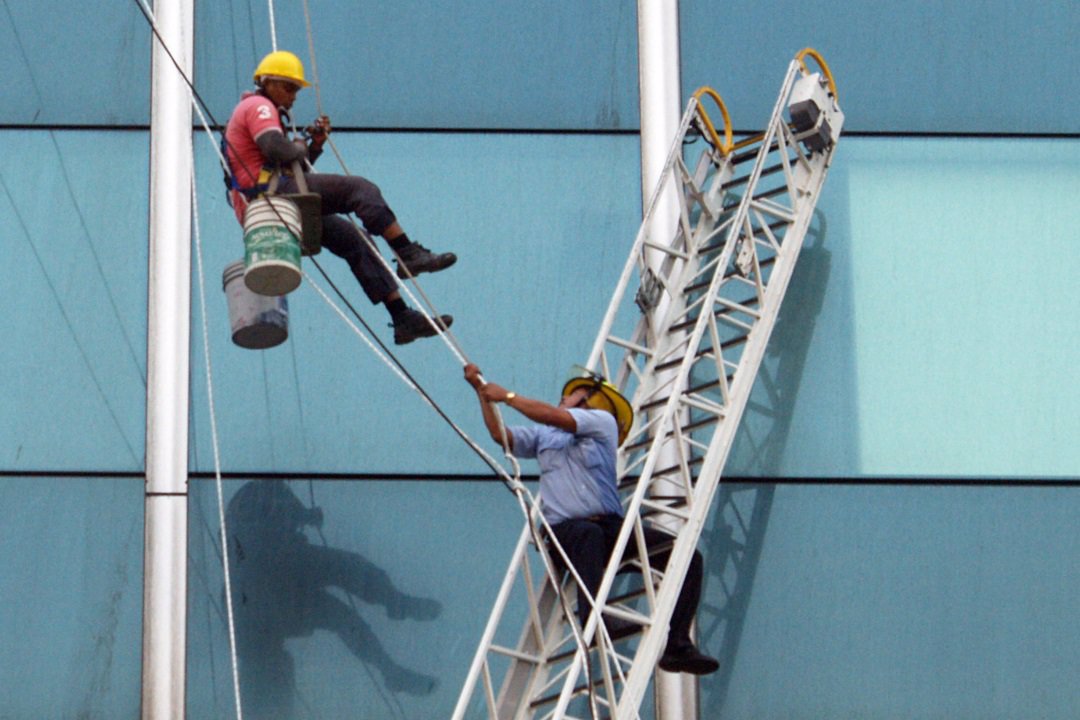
<point x="281" y="65"/>
<point x="606" y="398"/>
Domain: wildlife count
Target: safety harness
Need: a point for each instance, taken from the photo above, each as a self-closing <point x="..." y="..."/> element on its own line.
<point x="266" y="182"/>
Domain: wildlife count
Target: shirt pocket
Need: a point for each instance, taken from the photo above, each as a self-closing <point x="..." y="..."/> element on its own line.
<point x="588" y="453"/>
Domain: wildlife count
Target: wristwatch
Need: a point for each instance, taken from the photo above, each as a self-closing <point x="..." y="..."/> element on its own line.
<point x="510" y="396"/>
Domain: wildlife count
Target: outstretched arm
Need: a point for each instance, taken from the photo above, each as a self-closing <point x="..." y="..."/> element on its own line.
<point x="536" y="410"/>
<point x="472" y="376"/>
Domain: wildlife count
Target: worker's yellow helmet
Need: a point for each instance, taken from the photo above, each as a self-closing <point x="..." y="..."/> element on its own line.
<point x="607" y="397"/>
<point x="281" y="65"/>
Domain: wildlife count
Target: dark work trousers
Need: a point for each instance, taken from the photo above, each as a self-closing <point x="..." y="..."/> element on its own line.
<point x="344" y="194"/>
<point x="589" y="543"/>
<point x="340" y="195"/>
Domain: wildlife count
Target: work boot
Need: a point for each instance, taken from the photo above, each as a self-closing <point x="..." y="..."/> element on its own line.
<point x="412" y="324"/>
<point x="418" y="259"/>
<point x="687" y="659"/>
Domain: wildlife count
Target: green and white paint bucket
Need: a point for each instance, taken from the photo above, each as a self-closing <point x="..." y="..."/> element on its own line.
<point x="272" y="245"/>
<point x="257" y="321"/>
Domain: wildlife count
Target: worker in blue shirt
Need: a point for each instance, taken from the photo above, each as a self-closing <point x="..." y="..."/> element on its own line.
<point x="576" y="443"/>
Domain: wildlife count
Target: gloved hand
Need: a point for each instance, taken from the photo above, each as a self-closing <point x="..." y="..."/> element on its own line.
<point x="318" y="130"/>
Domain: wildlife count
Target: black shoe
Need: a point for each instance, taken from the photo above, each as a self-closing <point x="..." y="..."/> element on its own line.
<point x="418" y="259"/>
<point x="412" y="324"/>
<point x="688" y="659"/>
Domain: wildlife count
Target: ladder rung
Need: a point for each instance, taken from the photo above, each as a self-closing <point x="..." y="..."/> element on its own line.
<point x="659" y="508"/>
<point x="726" y="345"/>
<point x="718" y="314"/>
<point x="743" y="180"/>
<point x="752" y="153"/>
<point x="704" y="284"/>
<point x="517" y="654"/>
<point x="548" y="699"/>
<point x="694" y="389"/>
<point x="760" y="196"/>
<point x="704" y="422"/>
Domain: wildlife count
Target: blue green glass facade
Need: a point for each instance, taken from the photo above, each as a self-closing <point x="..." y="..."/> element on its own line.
<point x="899" y="539"/>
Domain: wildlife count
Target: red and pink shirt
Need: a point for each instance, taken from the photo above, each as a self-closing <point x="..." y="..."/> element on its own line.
<point x="253" y="116"/>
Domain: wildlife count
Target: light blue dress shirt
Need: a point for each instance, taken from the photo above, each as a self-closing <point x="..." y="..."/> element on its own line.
<point x="577" y="470"/>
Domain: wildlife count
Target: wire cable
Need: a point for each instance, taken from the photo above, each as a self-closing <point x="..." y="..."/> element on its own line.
<point x="273" y="26"/>
<point x="216" y="447"/>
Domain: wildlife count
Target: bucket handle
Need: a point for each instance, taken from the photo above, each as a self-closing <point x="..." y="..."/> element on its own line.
<point x="298" y="175"/>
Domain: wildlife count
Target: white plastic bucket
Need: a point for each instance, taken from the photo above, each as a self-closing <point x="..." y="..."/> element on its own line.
<point x="272" y="245"/>
<point x="257" y="321"/>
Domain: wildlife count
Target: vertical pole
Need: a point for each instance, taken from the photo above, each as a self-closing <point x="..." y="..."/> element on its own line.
<point x="168" y="313"/>
<point x="660" y="90"/>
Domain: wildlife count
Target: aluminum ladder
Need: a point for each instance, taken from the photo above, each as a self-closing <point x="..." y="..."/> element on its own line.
<point x="683" y="336"/>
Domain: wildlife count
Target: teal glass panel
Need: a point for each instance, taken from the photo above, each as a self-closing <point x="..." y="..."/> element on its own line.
<point x="979" y="67"/>
<point x="922" y="67"/>
<point x="417" y="64"/>
<point x="884" y="602"/>
<point x="373" y="612"/>
<point x="74" y="350"/>
<point x="539" y="224"/>
<point x="906" y="347"/>
<point x="930" y="330"/>
<point x="71" y="593"/>
<point x="74" y="64"/>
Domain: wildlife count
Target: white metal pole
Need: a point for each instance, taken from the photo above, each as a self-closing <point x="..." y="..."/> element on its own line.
<point x="660" y="92"/>
<point x="168" y="313"/>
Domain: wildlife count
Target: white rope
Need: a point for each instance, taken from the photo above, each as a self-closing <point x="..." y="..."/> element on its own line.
<point x="527" y="500"/>
<point x="273" y="28"/>
<point x="444" y="333"/>
<point x="214" y="442"/>
<point x="209" y="387"/>
<point x="511" y="480"/>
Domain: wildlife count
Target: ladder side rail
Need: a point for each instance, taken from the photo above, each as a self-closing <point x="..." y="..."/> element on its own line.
<point x="649" y="648"/>
<point x="480" y="658"/>
<point x="539" y="638"/>
<point x="666" y="176"/>
<point x="664" y="426"/>
<point x="708" y="177"/>
<point x="661" y="431"/>
<point x="720" y="445"/>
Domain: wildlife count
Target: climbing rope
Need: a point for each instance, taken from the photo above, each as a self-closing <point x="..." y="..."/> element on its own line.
<point x="530" y="504"/>
<point x="196" y="101"/>
<point x="216" y="447"/>
<point x="273" y="27"/>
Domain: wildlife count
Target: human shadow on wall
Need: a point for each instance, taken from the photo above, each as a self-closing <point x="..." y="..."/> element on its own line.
<point x="280" y="590"/>
<point x="733" y="539"/>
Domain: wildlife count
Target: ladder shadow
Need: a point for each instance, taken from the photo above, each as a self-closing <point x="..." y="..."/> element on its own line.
<point x="734" y="538"/>
<point x="281" y="590"/>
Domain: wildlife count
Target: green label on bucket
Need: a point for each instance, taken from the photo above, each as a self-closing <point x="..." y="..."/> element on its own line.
<point x="271" y="243"/>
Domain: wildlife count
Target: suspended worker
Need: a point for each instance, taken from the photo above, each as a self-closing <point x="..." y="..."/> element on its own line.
<point x="257" y="145"/>
<point x="575" y="444"/>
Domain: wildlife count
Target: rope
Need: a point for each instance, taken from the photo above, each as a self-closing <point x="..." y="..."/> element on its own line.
<point x="378" y="347"/>
<point x="445" y="333"/>
<point x="273" y="28"/>
<point x="217" y="452"/>
<point x="311" y="54"/>
<point x="525" y="498"/>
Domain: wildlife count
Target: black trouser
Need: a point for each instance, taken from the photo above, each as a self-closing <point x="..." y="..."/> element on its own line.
<point x="589" y="542"/>
<point x="344" y="194"/>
